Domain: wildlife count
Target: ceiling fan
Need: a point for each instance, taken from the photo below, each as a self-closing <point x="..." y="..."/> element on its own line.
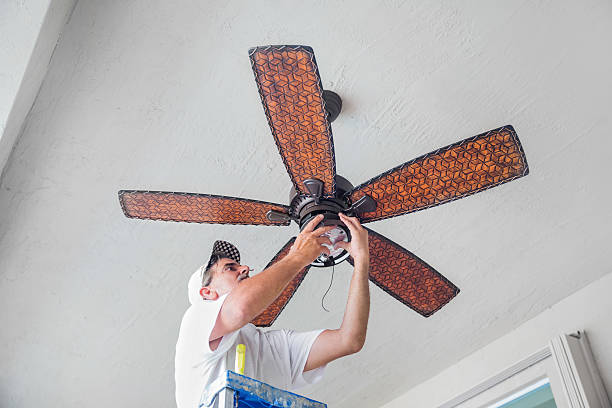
<point x="299" y="113"/>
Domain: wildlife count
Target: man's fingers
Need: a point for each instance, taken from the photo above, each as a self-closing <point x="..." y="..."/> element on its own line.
<point x="324" y="240"/>
<point x="350" y="222"/>
<point x="313" y="223"/>
<point x="346" y="219"/>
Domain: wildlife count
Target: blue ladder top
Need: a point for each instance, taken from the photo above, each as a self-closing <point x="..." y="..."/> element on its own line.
<point x="248" y="392"/>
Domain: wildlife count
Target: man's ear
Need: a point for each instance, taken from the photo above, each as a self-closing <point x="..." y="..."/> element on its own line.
<point x="208" y="293"/>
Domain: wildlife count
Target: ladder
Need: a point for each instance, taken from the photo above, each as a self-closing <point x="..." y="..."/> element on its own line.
<point x="233" y="390"/>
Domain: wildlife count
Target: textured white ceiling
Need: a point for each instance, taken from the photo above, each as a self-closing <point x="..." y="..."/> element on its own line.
<point x="159" y="95"/>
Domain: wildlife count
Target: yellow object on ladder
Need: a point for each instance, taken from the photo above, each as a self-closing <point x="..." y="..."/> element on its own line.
<point x="239" y="364"/>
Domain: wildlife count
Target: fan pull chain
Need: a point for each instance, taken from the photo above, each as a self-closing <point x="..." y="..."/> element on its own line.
<point x="327" y="291"/>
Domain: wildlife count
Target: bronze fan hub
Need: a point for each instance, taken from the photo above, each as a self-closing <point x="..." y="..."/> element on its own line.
<point x="304" y="207"/>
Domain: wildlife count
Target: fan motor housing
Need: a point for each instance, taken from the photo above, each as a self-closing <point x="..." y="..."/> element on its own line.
<point x="305" y="207"/>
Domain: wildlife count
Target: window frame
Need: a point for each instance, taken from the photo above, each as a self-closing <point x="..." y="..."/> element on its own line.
<point x="566" y="361"/>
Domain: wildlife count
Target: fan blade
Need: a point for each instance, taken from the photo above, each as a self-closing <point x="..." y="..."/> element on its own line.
<point x="268" y="316"/>
<point x="452" y="172"/>
<point x="292" y="96"/>
<point x="203" y="208"/>
<point x="406" y="277"/>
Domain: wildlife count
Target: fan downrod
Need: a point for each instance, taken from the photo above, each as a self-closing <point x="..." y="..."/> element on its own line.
<point x="333" y="104"/>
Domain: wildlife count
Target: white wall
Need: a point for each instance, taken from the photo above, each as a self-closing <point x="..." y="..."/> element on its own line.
<point x="20" y="24"/>
<point x="29" y="31"/>
<point x="588" y="309"/>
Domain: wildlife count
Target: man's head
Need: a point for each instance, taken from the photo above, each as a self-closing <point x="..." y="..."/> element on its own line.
<point x="223" y="271"/>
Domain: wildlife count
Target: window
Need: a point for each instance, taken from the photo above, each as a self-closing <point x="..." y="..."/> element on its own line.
<point x="538" y="395"/>
<point x="562" y="374"/>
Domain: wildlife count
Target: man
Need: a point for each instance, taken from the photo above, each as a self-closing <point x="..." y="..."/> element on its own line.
<point x="224" y="300"/>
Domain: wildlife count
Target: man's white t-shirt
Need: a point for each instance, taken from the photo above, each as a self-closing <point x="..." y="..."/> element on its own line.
<point x="276" y="357"/>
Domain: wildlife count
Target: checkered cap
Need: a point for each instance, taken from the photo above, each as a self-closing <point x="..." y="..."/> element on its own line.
<point x="223" y="249"/>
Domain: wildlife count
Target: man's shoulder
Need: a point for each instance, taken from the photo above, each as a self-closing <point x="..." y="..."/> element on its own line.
<point x="204" y="312"/>
<point x="206" y="305"/>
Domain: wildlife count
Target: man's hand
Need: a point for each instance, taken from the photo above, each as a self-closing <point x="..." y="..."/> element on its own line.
<point x="358" y="247"/>
<point x="309" y="243"/>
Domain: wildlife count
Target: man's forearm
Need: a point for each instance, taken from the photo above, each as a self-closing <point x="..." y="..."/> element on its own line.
<point x="355" y="322"/>
<point x="255" y="294"/>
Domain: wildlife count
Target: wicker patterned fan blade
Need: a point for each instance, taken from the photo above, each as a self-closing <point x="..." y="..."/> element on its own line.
<point x="292" y="96"/>
<point x="268" y="316"/>
<point x="203" y="208"/>
<point x="452" y="172"/>
<point x="406" y="277"/>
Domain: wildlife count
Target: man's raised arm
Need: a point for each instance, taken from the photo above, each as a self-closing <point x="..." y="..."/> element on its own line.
<point x="350" y="337"/>
<point x="252" y="296"/>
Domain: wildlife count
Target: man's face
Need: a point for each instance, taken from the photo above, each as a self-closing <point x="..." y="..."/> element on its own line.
<point x="228" y="274"/>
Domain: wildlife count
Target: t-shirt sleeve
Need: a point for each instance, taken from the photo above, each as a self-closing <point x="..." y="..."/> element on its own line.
<point x="300" y="344"/>
<point x="197" y="327"/>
